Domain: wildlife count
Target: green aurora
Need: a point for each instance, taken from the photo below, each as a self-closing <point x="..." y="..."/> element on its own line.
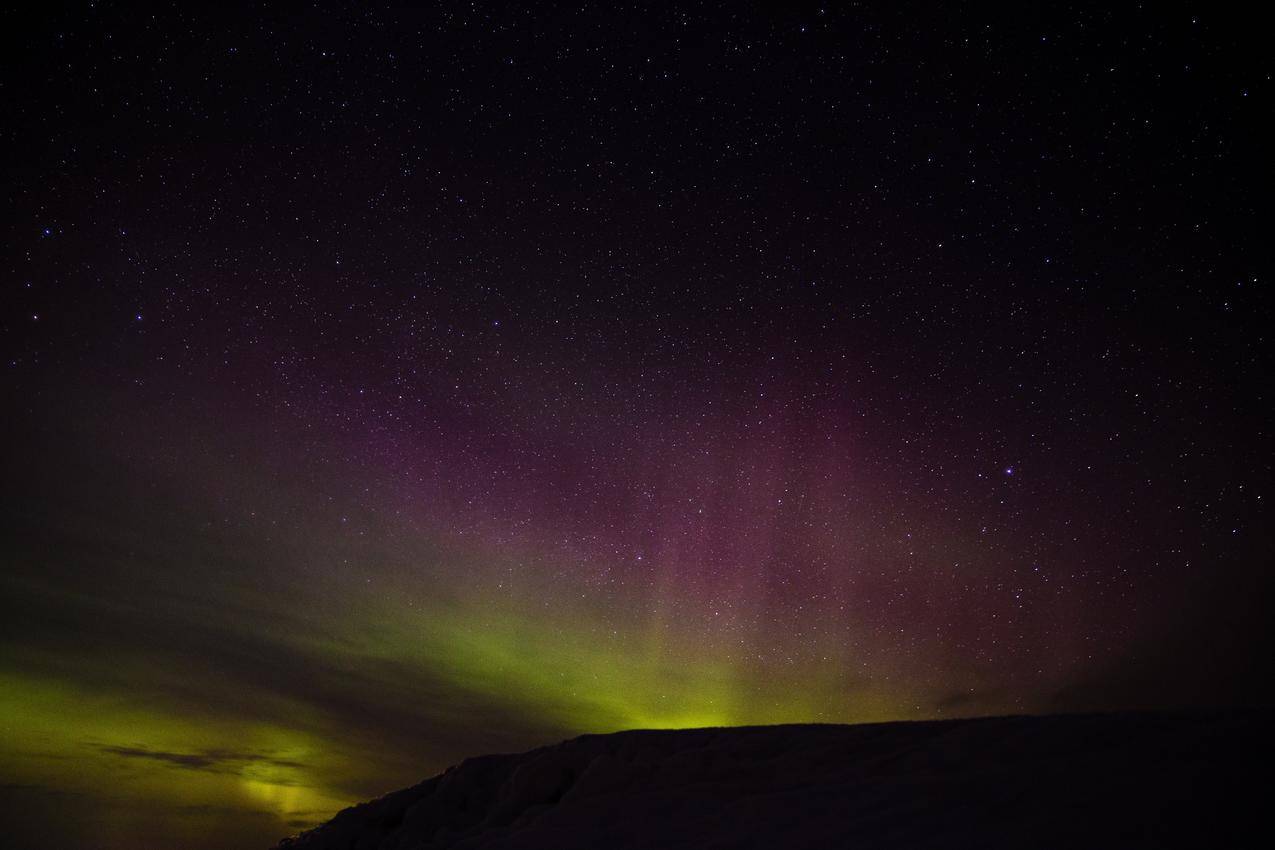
<point x="294" y="722"/>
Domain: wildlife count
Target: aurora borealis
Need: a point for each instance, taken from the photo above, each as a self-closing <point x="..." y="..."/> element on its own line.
<point x="383" y="387"/>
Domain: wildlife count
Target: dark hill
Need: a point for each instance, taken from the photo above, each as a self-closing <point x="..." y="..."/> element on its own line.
<point x="1085" y="781"/>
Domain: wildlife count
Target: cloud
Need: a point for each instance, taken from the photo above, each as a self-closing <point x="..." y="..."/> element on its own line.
<point x="211" y="760"/>
<point x="955" y="700"/>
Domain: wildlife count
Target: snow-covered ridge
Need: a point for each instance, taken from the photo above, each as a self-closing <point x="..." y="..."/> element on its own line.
<point x="1115" y="780"/>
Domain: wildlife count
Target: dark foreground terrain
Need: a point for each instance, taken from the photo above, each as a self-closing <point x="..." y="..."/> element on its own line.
<point x="1117" y="780"/>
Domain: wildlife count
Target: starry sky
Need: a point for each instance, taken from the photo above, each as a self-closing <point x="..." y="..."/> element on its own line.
<point x="383" y="387"/>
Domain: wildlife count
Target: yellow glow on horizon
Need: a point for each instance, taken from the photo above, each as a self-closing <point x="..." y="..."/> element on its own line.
<point x="120" y="748"/>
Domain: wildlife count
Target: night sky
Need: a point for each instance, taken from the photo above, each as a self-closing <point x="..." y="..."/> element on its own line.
<point x="382" y="388"/>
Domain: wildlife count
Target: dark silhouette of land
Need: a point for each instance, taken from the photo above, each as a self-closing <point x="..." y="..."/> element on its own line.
<point x="1084" y="781"/>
